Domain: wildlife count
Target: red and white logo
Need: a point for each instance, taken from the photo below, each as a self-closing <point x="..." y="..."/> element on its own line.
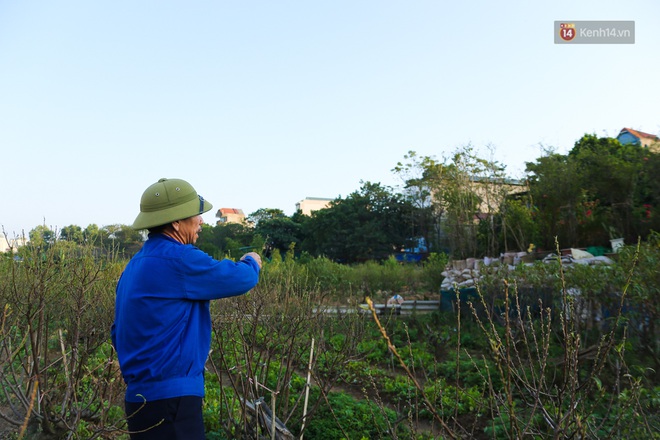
<point x="567" y="31"/>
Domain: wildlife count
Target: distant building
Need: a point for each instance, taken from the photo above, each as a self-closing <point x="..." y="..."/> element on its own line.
<point x="230" y="215"/>
<point x="492" y="193"/>
<point x="12" y="244"/>
<point x="311" y="204"/>
<point x="636" y="137"/>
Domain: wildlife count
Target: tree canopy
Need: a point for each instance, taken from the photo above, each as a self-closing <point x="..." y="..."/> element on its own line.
<point x="598" y="191"/>
<point x="371" y="223"/>
<point x="464" y="205"/>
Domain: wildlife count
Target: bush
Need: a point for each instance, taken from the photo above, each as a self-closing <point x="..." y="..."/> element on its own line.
<point x="344" y="417"/>
<point x="57" y="302"/>
<point x="511" y="368"/>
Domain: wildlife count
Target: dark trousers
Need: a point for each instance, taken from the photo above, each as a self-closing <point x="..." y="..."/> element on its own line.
<point x="177" y="418"/>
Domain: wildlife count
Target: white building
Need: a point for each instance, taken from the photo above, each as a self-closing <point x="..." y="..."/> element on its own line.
<point x="311" y="204"/>
<point x="230" y="215"/>
<point x="11" y="244"/>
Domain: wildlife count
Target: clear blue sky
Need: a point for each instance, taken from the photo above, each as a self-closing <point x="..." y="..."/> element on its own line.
<point x="260" y="104"/>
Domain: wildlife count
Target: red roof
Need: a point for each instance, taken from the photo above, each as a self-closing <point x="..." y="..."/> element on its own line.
<point x="231" y="211"/>
<point x="640" y="134"/>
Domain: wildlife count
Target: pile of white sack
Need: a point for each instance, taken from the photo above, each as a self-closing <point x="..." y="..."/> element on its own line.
<point x="464" y="273"/>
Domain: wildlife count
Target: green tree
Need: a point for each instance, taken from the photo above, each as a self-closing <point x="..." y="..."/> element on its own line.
<point x="609" y="174"/>
<point x="72" y="233"/>
<point x="519" y="228"/>
<point x="225" y="239"/>
<point x="555" y="191"/>
<point x="647" y="196"/>
<point x="370" y="224"/>
<point x="122" y="238"/>
<point x="42" y="236"/>
<point x="449" y="197"/>
<point x="421" y="176"/>
<point x="279" y="233"/>
<point x="207" y="242"/>
<point x="265" y="214"/>
<point x="93" y="235"/>
<point x="472" y="190"/>
<point x="599" y="188"/>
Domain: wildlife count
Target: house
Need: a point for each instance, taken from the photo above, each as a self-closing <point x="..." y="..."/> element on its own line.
<point x="492" y="192"/>
<point x="11" y="244"/>
<point x="636" y="137"/>
<point x="311" y="204"/>
<point x="230" y="215"/>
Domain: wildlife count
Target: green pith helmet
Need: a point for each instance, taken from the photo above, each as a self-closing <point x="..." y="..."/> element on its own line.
<point x="169" y="200"/>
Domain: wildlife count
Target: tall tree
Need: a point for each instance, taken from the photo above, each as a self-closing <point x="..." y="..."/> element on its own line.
<point x="122" y="238"/>
<point x="72" y="233"/>
<point x="280" y="233"/>
<point x="92" y="234"/>
<point x="469" y="185"/>
<point x="555" y="191"/>
<point x="421" y="176"/>
<point x="370" y="224"/>
<point x="225" y="239"/>
<point x="608" y="174"/>
<point x="598" y="190"/>
<point x="450" y="195"/>
<point x="42" y="236"/>
<point x="265" y="214"/>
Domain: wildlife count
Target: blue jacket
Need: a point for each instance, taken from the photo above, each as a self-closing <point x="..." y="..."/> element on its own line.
<point x="162" y="328"/>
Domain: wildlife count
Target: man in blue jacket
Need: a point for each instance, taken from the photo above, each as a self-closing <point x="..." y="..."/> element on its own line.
<point x="162" y="328"/>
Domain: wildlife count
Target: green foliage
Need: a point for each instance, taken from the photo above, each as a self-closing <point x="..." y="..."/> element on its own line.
<point x="465" y="206"/>
<point x="360" y="373"/>
<point x="644" y="307"/>
<point x="554" y="188"/>
<point x="72" y="233"/>
<point x="400" y="388"/>
<point x="219" y="405"/>
<point x="225" y="239"/>
<point x="57" y="301"/>
<point x="331" y="277"/>
<point x="469" y="373"/>
<point x="42" y="236"/>
<point x="370" y="224"/>
<point x="451" y="195"/>
<point x="532" y="365"/>
<point x="388" y="276"/>
<point x="598" y="186"/>
<point x="421" y="176"/>
<point x="454" y="400"/>
<point x="519" y="228"/>
<point x="264" y="214"/>
<point x="432" y="269"/>
<point x="280" y="233"/>
<point x="344" y="417"/>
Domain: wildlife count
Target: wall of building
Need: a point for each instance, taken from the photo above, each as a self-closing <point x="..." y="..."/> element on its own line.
<point x="311" y="204"/>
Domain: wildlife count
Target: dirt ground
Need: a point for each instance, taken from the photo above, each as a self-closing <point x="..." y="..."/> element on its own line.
<point x="6" y="428"/>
